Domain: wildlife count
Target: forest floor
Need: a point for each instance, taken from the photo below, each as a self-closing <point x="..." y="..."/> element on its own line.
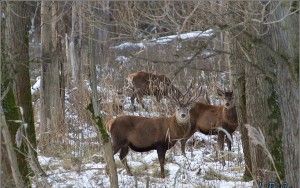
<point x="79" y="162"/>
<point x="200" y="167"/>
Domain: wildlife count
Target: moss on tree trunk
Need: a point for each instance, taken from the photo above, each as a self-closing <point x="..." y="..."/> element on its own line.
<point x="275" y="143"/>
<point x="11" y="112"/>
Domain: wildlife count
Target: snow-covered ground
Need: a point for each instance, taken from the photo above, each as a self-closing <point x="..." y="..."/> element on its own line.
<point x="86" y="167"/>
<point x="199" y="169"/>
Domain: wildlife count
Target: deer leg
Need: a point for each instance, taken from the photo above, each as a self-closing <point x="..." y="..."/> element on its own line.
<point x="132" y="99"/>
<point x="221" y="137"/>
<point x="133" y="96"/>
<point x="140" y="100"/>
<point x="183" y="142"/>
<point x="229" y="144"/>
<point x="161" y="152"/>
<point x="116" y="147"/>
<point x="123" y="153"/>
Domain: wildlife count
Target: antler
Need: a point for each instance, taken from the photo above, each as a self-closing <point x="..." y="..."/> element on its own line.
<point x="174" y="94"/>
<point x="196" y="95"/>
<point x="188" y="89"/>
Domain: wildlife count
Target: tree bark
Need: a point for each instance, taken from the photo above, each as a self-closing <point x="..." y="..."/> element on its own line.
<point x="11" y="113"/>
<point x="15" y="72"/>
<point x="237" y="68"/>
<point x="260" y="94"/>
<point x="286" y="44"/>
<point x="104" y="137"/>
<point x="45" y="117"/>
<point x="75" y="45"/>
<point x="238" y="80"/>
<point x="18" y="51"/>
<point x="18" y="177"/>
<point x="52" y="112"/>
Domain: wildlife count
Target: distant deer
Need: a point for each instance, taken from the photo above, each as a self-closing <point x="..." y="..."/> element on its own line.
<point x="212" y="120"/>
<point x="144" y="83"/>
<point x="143" y="134"/>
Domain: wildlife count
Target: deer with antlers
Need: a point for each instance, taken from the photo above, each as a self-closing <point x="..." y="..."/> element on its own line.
<point x="143" y="134"/>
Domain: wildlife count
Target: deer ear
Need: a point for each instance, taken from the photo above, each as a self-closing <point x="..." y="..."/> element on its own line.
<point x="220" y="92"/>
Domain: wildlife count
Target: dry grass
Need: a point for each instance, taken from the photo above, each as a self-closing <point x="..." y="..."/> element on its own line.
<point x="212" y="174"/>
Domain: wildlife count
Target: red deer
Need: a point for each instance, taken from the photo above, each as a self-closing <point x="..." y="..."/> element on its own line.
<point x="144" y="83"/>
<point x="143" y="134"/>
<point x="212" y="120"/>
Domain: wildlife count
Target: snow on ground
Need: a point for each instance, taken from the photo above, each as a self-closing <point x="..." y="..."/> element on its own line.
<point x="198" y="169"/>
<point x="86" y="168"/>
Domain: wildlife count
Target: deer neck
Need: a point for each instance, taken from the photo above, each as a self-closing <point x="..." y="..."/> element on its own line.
<point x="229" y="114"/>
<point x="179" y="130"/>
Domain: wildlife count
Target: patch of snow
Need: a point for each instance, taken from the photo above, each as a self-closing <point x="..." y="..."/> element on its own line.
<point x="184" y="36"/>
<point x="166" y="39"/>
<point x="122" y="59"/>
<point x="36" y="86"/>
<point x="130" y="44"/>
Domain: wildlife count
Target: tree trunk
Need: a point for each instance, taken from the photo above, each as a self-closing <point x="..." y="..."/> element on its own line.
<point x="11" y="112"/>
<point x="75" y="45"/>
<point x="52" y="112"/>
<point x="15" y="73"/>
<point x="237" y="69"/>
<point x="45" y="124"/>
<point x="238" y="80"/>
<point x="259" y="95"/>
<point x="105" y="139"/>
<point x="18" y="177"/>
<point x="287" y="45"/>
<point x="18" y="48"/>
<point x="56" y="90"/>
<point x="6" y="178"/>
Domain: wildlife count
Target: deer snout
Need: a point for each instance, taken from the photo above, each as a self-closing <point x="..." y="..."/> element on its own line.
<point x="183" y="115"/>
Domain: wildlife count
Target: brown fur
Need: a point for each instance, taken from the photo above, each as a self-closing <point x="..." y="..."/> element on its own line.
<point x="143" y="134"/>
<point x="207" y="118"/>
<point x="144" y="83"/>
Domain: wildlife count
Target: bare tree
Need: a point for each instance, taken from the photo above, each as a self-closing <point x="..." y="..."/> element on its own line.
<point x="94" y="106"/>
<point x="51" y="92"/>
<point x="17" y="38"/>
<point x="16" y="80"/>
<point x="259" y="68"/>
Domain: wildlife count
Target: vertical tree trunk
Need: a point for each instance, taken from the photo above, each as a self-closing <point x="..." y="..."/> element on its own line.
<point x="237" y="68"/>
<point x="16" y="67"/>
<point x="56" y="92"/>
<point x="238" y="80"/>
<point x="11" y="115"/>
<point x="52" y="112"/>
<point x="259" y="95"/>
<point x="105" y="139"/>
<point x="6" y="177"/>
<point x="45" y="124"/>
<point x="18" y="48"/>
<point x="76" y="44"/>
<point x="286" y="44"/>
<point x="18" y="177"/>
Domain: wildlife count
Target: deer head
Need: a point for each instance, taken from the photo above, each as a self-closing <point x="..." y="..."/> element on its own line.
<point x="185" y="102"/>
<point x="227" y="96"/>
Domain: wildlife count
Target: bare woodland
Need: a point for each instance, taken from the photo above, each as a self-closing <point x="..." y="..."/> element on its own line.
<point x="66" y="98"/>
